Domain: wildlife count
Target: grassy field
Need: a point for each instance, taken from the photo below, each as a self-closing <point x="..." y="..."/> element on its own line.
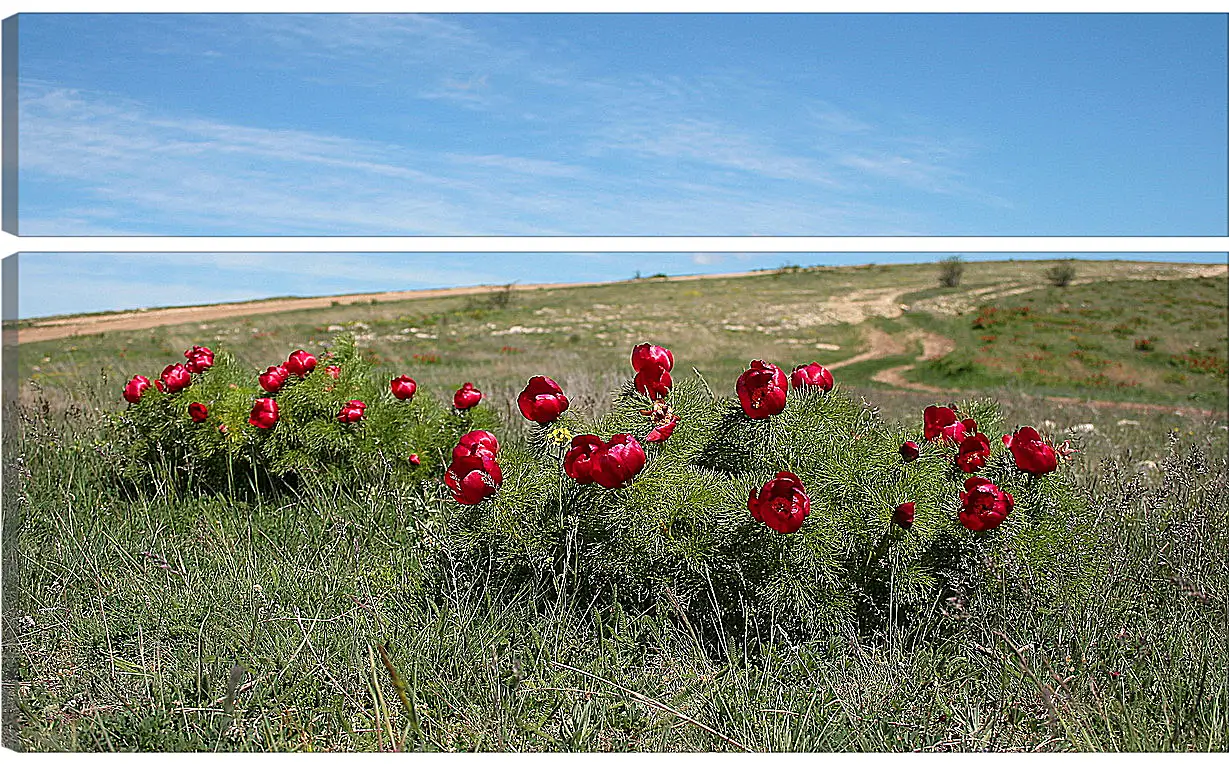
<point x="1076" y="341"/>
<point x="336" y="617"/>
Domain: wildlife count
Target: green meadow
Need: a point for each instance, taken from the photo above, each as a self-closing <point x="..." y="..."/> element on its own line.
<point x="329" y="616"/>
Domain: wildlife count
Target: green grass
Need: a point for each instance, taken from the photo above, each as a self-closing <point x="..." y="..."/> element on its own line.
<point x="1085" y="340"/>
<point x="718" y="325"/>
<point x="164" y="619"/>
<point x="128" y="613"/>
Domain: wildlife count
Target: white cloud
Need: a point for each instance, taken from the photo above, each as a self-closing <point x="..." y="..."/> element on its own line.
<point x="637" y="153"/>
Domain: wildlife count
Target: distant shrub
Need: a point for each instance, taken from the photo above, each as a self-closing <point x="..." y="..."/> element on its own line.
<point x="1060" y="275"/>
<point x="502" y="298"/>
<point x="1145" y="344"/>
<point x="951" y="270"/>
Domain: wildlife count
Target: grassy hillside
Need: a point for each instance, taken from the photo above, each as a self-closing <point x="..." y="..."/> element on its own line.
<point x="341" y="616"/>
<point x="1009" y="327"/>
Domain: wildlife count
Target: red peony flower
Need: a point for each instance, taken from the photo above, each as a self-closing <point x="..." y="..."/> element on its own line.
<point x="661" y="433"/>
<point x="300" y="363"/>
<point x="466" y="397"/>
<point x="175" y="378"/>
<point x="1032" y="454"/>
<point x="762" y="389"/>
<point x="198" y="412"/>
<point x="333" y="371"/>
<point x="352" y="412"/>
<point x="650" y="357"/>
<point x="618" y="461"/>
<point x="903" y="514"/>
<point x="542" y="400"/>
<point x="473" y="478"/>
<point x="476" y="443"/>
<point x="274" y="378"/>
<point x="199" y="359"/>
<point x="403" y="387"/>
<point x="812" y="375"/>
<point x="940" y="421"/>
<point x="974" y="453"/>
<point x="264" y="413"/>
<point x="782" y="504"/>
<point x="652" y="365"/>
<point x="982" y="505"/>
<point x="135" y="387"/>
<point x="909" y="450"/>
<point x="579" y="460"/>
<point x="654" y="384"/>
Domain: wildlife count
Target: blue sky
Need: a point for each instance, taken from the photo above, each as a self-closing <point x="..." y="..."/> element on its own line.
<point x="512" y="124"/>
<point x="68" y="283"/>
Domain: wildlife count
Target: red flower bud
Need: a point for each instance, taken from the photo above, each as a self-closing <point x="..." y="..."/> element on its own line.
<point x="618" y="461"/>
<point x="909" y="450"/>
<point x="473" y="478"/>
<point x="466" y="397"/>
<point x="782" y="504"/>
<point x="974" y="453"/>
<point x="903" y="514"/>
<point x="414" y="459"/>
<point x="273" y="378"/>
<point x="403" y="387"/>
<point x="264" y="413"/>
<point x="542" y="400"/>
<point x="812" y="375"/>
<point x="175" y="378"/>
<point x="982" y="505"/>
<point x="352" y="412"/>
<point x="333" y="371"/>
<point x="199" y="359"/>
<point x="135" y="387"/>
<point x="662" y="433"/>
<point x="651" y="358"/>
<point x="762" y="389"/>
<point x="578" y="461"/>
<point x="654" y="383"/>
<point x="476" y="443"/>
<point x="300" y="363"/>
<point x="1032" y="454"/>
<point x="940" y="421"/>
<point x="198" y="412"/>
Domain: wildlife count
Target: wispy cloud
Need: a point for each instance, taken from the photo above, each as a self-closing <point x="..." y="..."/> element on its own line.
<point x="557" y="150"/>
<point x="229" y="177"/>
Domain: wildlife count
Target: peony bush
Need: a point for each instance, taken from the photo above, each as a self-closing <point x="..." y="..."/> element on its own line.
<point x="774" y="498"/>
<point x="305" y="417"/>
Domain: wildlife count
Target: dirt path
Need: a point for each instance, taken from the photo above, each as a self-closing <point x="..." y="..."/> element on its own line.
<point x="142" y="319"/>
<point x="857" y="305"/>
<point x="882" y="345"/>
<point x="968" y="300"/>
<point x="933" y="347"/>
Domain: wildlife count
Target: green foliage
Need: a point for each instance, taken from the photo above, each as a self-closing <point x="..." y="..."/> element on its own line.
<point x="130" y="613"/>
<point x="682" y="527"/>
<point x="307" y="440"/>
